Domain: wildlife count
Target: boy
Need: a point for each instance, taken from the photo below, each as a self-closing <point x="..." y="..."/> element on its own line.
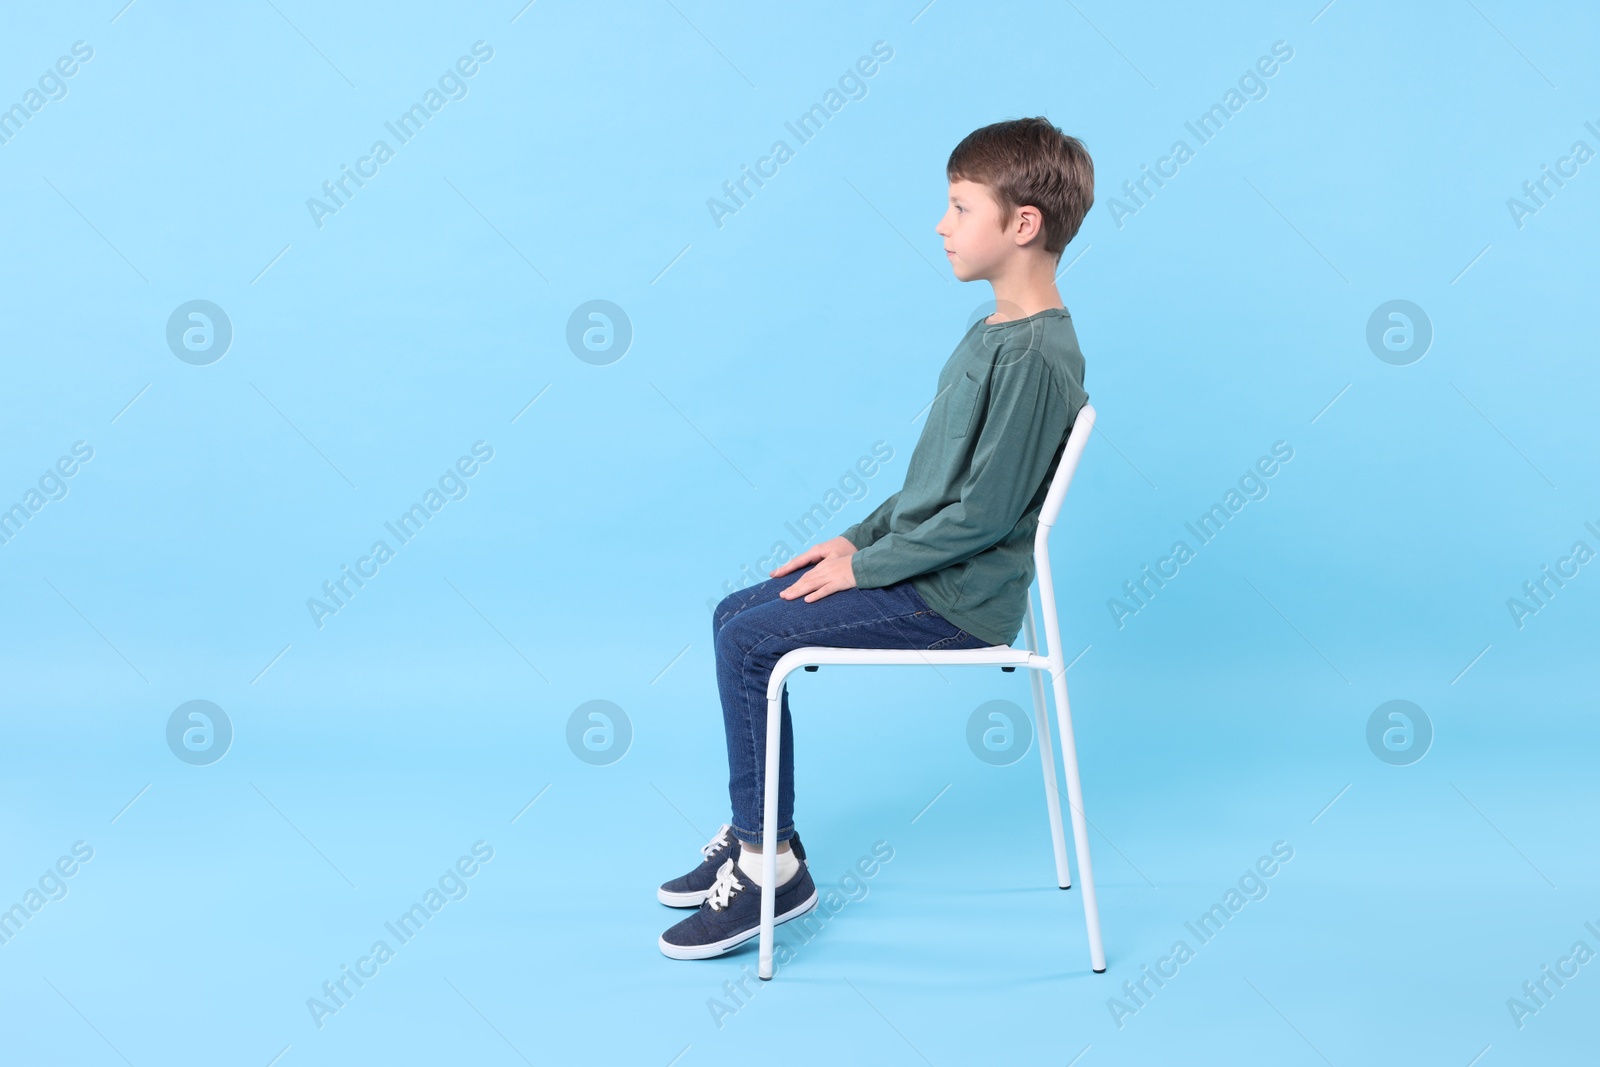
<point x="947" y="561"/>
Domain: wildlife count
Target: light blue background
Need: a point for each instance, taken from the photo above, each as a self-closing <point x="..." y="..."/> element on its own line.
<point x="768" y="355"/>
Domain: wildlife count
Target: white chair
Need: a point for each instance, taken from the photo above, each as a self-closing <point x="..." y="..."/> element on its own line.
<point x="1003" y="656"/>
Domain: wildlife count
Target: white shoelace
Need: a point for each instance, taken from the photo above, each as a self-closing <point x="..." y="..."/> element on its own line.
<point x="725" y="886"/>
<point x="721" y="840"/>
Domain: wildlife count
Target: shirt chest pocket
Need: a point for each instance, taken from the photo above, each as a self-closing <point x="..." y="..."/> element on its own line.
<point x="963" y="405"/>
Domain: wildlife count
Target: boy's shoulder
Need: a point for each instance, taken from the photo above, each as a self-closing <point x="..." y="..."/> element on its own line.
<point x="1048" y="336"/>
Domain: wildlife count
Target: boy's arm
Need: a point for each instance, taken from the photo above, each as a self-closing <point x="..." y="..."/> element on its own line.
<point x="874" y="525"/>
<point x="1026" y="421"/>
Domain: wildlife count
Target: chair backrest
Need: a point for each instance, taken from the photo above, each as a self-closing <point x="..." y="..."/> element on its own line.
<point x="1077" y="438"/>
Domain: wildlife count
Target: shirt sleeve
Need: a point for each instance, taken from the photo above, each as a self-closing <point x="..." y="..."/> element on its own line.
<point x="874" y="525"/>
<point x="1023" y="427"/>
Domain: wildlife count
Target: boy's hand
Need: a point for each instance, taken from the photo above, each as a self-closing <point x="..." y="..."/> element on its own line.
<point x="827" y="577"/>
<point x="832" y="572"/>
<point x="837" y="546"/>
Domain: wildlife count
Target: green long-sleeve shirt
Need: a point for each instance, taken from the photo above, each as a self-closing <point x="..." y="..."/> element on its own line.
<point x="962" y="526"/>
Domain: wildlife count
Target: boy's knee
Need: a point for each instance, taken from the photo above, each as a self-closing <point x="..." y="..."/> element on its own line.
<point x="725" y="642"/>
<point x="738" y="638"/>
<point x="727" y="609"/>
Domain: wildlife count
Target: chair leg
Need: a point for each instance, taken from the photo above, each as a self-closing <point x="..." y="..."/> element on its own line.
<point x="769" y="828"/>
<point x="1041" y="719"/>
<point x="1080" y="826"/>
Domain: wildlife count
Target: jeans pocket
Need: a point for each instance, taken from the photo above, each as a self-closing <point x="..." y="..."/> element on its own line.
<point x="954" y="640"/>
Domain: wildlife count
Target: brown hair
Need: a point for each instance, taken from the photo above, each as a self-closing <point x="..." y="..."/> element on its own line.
<point x="1030" y="161"/>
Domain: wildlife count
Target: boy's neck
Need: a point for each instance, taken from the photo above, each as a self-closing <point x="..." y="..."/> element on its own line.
<point x="1027" y="289"/>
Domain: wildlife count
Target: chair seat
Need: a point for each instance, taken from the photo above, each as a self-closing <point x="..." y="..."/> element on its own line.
<point x="989" y="656"/>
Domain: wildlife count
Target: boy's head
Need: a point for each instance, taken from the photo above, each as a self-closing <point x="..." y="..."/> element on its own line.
<point x="1019" y="186"/>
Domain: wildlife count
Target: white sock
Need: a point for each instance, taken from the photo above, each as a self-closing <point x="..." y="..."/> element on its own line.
<point x="750" y="865"/>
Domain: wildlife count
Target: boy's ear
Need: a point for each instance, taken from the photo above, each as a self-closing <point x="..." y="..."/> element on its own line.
<point x="1027" y="222"/>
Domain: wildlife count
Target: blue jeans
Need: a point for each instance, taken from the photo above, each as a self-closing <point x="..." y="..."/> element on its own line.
<point x="755" y="626"/>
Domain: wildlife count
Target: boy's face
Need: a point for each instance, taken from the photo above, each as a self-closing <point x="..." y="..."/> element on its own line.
<point x="975" y="241"/>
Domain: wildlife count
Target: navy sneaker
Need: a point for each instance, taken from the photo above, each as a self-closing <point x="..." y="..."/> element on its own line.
<point x="689" y="890"/>
<point x="731" y="914"/>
